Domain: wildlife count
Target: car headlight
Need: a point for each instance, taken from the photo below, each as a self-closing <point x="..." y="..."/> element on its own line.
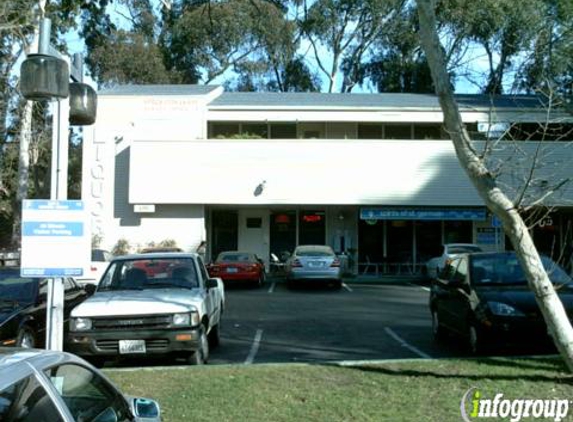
<point x="503" y="309"/>
<point x="182" y="319"/>
<point x="187" y="319"/>
<point x="80" y="324"/>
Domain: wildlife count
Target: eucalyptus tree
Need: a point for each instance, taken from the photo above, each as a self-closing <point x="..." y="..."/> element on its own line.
<point x="488" y="186"/>
<point x="398" y="64"/>
<point x="548" y="63"/>
<point x="250" y="38"/>
<point x="502" y="29"/>
<point x="344" y="31"/>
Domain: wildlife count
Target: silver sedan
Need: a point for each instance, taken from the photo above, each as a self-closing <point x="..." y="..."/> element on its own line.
<point x="314" y="262"/>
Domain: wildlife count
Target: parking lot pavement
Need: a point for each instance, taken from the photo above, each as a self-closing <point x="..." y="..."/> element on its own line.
<point x="361" y="322"/>
<point x="274" y="324"/>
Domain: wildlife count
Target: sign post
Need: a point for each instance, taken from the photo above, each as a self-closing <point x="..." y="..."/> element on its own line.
<point x="55" y="244"/>
<point x="50" y="233"/>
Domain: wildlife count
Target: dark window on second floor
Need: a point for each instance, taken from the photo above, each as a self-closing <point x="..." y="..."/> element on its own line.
<point x="223" y="130"/>
<point x="398" y="131"/>
<point x="541" y="132"/>
<point x="255" y="130"/>
<point x="369" y="131"/>
<point x="428" y="131"/>
<point x="283" y="130"/>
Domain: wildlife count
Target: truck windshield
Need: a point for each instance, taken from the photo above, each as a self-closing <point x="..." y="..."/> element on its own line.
<point x="150" y="273"/>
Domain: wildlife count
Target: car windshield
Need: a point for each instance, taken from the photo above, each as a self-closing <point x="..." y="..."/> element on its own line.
<point x="463" y="249"/>
<point x="152" y="273"/>
<point x="15" y="289"/>
<point x="504" y="268"/>
<point x="234" y="257"/>
<point x="314" y="251"/>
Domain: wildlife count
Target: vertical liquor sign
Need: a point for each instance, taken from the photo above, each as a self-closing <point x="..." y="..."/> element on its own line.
<point x="55" y="244"/>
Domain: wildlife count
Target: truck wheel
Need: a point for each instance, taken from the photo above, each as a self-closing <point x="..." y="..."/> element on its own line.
<point x="215" y="336"/>
<point x="201" y="355"/>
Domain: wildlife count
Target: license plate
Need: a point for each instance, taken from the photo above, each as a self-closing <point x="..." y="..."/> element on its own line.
<point x="315" y="264"/>
<point x="232" y="270"/>
<point x="131" y="346"/>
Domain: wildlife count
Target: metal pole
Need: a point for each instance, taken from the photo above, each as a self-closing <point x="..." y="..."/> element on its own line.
<point x="58" y="191"/>
<point x="44" y="38"/>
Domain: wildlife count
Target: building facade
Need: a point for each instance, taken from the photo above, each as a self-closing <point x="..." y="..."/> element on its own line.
<point x="373" y="175"/>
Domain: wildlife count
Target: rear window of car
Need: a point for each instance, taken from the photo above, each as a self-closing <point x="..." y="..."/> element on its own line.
<point x="234" y="257"/>
<point x="505" y="269"/>
<point x="314" y="251"/>
<point x="464" y="249"/>
<point x="15" y="288"/>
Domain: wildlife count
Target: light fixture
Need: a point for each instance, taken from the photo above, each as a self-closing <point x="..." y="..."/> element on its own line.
<point x="44" y="77"/>
<point x="83" y="104"/>
<point x="259" y="189"/>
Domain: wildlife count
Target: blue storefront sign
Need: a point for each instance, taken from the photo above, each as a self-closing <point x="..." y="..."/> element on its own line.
<point x="459" y="214"/>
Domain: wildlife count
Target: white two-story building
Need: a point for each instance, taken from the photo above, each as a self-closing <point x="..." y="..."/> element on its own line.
<point x="372" y="175"/>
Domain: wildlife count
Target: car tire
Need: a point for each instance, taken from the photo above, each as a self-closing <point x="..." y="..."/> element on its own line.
<point x="337" y="285"/>
<point x="214" y="336"/>
<point x="26" y="338"/>
<point x="201" y="355"/>
<point x="476" y="342"/>
<point x="437" y="329"/>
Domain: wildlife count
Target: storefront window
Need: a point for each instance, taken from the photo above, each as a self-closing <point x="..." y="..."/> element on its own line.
<point x="400" y="238"/>
<point x="458" y="231"/>
<point x="225" y="231"/>
<point x="312" y="228"/>
<point x="282" y="233"/>
<point x="428" y="240"/>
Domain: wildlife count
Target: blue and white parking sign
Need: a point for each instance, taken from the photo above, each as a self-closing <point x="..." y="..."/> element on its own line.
<point x="55" y="241"/>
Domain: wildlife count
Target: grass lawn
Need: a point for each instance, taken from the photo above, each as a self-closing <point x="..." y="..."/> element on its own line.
<point x="424" y="391"/>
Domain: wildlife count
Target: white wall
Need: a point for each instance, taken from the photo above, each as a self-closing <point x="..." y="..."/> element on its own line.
<point x="326" y="171"/>
<point x="106" y="170"/>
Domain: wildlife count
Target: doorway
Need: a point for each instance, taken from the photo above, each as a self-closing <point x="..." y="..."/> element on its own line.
<point x="254" y="233"/>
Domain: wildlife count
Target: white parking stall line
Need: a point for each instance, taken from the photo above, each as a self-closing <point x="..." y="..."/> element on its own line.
<point x="254" y="347"/>
<point x="272" y="288"/>
<point x="346" y="287"/>
<point x="405" y="344"/>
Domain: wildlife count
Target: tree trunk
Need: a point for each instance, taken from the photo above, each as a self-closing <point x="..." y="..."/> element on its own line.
<point x="25" y="137"/>
<point x="485" y="183"/>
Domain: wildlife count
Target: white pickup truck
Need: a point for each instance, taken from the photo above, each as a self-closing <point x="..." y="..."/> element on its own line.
<point x="150" y="304"/>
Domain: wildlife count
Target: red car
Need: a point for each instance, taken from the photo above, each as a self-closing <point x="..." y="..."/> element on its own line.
<point x="238" y="266"/>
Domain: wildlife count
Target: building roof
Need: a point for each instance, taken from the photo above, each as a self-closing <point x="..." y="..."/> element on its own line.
<point x="314" y="100"/>
<point x="168" y="90"/>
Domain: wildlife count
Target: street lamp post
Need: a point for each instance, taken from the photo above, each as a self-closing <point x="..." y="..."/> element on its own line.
<point x="45" y="76"/>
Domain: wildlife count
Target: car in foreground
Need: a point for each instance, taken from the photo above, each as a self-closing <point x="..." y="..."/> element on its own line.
<point x="446" y="252"/>
<point x="49" y="386"/>
<point x="240" y="267"/>
<point x="23" y="303"/>
<point x="311" y="263"/>
<point x="99" y="262"/>
<point x="150" y="304"/>
<point x="484" y="299"/>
